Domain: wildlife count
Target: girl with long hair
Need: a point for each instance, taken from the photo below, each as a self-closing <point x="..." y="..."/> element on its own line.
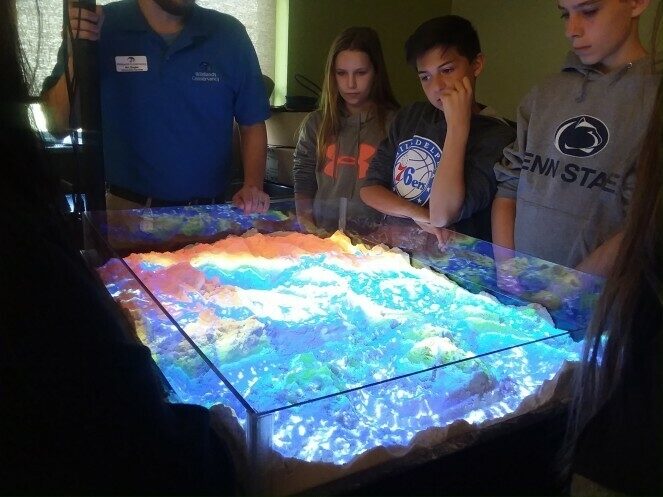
<point x="337" y="142"/>
<point x="615" y="437"/>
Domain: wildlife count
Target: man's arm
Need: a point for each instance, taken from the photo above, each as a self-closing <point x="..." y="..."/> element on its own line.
<point x="253" y="143"/>
<point x="448" y="189"/>
<point x="85" y="25"/>
<point x="503" y="219"/>
<point x="601" y="260"/>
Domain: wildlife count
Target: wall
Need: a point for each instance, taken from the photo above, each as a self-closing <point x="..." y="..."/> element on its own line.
<point x="315" y="23"/>
<point x="523" y="40"/>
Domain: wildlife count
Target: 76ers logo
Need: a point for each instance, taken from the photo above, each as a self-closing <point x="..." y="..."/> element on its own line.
<point x="414" y="168"/>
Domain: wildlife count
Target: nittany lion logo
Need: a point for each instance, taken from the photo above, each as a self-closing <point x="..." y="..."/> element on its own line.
<point x="581" y="136"/>
<point x="414" y="168"/>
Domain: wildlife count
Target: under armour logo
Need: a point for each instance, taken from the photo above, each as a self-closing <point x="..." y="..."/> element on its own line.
<point x="366" y="153"/>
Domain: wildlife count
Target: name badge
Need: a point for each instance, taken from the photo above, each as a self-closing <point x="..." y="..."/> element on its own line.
<point x="131" y="63"/>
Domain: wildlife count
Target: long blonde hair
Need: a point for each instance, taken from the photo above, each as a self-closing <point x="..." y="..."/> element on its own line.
<point x="629" y="313"/>
<point x="332" y="105"/>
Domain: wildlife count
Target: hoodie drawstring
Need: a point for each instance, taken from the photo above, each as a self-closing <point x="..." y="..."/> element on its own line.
<point x="583" y="88"/>
<point x="621" y="73"/>
<point x="615" y="79"/>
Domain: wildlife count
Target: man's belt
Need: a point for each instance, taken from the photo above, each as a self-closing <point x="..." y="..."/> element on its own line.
<point x="157" y="202"/>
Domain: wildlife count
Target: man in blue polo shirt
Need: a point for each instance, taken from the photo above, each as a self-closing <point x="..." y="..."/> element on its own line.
<point x="173" y="76"/>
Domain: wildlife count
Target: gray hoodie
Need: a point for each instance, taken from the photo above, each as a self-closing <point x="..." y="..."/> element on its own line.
<point x="343" y="170"/>
<point x="571" y="169"/>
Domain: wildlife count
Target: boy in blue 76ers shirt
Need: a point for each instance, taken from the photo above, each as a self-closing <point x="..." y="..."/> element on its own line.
<point x="436" y="164"/>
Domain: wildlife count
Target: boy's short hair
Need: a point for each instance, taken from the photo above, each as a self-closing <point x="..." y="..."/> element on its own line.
<point x="447" y="31"/>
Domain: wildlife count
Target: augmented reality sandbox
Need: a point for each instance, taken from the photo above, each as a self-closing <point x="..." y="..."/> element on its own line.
<point x="323" y="356"/>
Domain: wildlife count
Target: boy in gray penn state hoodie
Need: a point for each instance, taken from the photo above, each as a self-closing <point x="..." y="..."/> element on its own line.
<point x="564" y="185"/>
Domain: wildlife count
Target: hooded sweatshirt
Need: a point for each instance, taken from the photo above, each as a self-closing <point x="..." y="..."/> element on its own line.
<point x="407" y="159"/>
<point x="572" y="167"/>
<point x="341" y="174"/>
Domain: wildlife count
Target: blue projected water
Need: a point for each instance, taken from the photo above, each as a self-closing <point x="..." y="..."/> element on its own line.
<point x="348" y="348"/>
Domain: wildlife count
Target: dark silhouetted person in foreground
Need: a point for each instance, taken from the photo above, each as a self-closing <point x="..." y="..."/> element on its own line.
<point x="616" y="434"/>
<point x="81" y="410"/>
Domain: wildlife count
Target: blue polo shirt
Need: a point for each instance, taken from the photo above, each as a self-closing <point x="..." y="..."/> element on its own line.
<point x="167" y="111"/>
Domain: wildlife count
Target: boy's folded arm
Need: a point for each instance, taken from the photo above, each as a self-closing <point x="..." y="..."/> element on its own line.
<point x="448" y="188"/>
<point x="384" y="200"/>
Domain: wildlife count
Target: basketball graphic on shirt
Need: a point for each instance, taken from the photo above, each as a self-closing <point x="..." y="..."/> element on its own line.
<point x="414" y="168"/>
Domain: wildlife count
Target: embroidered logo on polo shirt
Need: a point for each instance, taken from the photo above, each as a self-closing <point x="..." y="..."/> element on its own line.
<point x="205" y="73"/>
<point x="414" y="168"/>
